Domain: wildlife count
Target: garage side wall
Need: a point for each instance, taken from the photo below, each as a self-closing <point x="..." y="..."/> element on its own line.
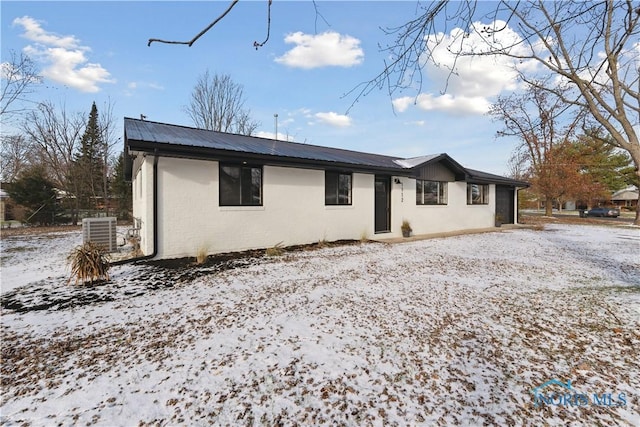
<point x="293" y="212"/>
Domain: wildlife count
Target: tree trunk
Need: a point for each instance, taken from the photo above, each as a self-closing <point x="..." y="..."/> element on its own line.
<point x="635" y="156"/>
<point x="548" y="206"/>
<point x="637" y="220"/>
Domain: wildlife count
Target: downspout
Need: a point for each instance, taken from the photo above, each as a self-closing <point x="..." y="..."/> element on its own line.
<point x="517" y="207"/>
<point x="155" y="218"/>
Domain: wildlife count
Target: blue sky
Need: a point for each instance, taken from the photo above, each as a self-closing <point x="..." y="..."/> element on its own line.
<point x="97" y="51"/>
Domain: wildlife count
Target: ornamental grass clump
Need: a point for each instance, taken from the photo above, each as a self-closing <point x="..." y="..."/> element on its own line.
<point x="275" y="250"/>
<point x="89" y="263"/>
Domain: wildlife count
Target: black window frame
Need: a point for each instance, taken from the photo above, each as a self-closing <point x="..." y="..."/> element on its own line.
<point x="484" y="194"/>
<point x="245" y="172"/>
<point x="332" y="181"/>
<point x="442" y="193"/>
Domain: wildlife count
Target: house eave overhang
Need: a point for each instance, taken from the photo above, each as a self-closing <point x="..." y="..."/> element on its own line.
<point x="497" y="181"/>
<point x="204" y="153"/>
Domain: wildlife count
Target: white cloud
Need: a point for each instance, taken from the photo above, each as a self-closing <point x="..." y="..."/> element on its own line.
<point x="65" y="58"/>
<point x="334" y="119"/>
<point x="471" y="81"/>
<point x="322" y="50"/>
<point x="456" y="105"/>
<point x="133" y="87"/>
<point x="141" y="85"/>
<point x="35" y="33"/>
<point x="272" y="135"/>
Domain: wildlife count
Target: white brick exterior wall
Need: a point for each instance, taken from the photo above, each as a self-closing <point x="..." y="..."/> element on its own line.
<point x="293" y="211"/>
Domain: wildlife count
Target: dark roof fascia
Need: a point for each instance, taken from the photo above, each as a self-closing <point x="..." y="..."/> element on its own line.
<point x="204" y="153"/>
<point x="479" y="177"/>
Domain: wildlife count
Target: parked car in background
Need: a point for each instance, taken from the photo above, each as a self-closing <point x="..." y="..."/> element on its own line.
<point x="610" y="212"/>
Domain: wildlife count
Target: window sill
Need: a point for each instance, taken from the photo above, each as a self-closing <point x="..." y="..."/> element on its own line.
<point x="240" y="208"/>
<point x="337" y="207"/>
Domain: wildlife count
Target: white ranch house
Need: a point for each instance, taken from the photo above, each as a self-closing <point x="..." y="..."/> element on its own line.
<point x="197" y="190"/>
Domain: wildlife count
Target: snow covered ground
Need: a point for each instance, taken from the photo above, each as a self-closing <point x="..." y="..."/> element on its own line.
<point x="452" y="331"/>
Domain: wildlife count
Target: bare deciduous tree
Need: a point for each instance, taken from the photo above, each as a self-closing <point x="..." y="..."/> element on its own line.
<point x="55" y="135"/>
<point x="532" y="117"/>
<point x="18" y="75"/>
<point x="110" y="138"/>
<point x="518" y="163"/>
<point x="590" y="48"/>
<point x="15" y="155"/>
<point x="217" y="103"/>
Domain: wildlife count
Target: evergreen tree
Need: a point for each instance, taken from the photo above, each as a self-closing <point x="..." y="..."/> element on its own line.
<point x="121" y="189"/>
<point x="88" y="168"/>
<point x="604" y="163"/>
<point x="34" y="191"/>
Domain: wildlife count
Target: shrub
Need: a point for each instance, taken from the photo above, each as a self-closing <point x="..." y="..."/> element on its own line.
<point x="275" y="250"/>
<point x="89" y="263"/>
<point x="201" y="256"/>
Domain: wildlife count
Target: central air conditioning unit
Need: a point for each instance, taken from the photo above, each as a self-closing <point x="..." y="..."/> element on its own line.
<point x="100" y="231"/>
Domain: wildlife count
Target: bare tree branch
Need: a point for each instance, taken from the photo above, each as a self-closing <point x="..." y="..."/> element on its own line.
<point x="18" y="75"/>
<point x="16" y="154"/>
<point x="255" y="43"/>
<point x="201" y="33"/>
<point x="318" y="15"/>
<point x="405" y="54"/>
<point x="55" y="136"/>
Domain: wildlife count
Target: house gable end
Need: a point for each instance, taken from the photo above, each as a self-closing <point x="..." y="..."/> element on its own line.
<point x="435" y="172"/>
<point x="437" y="168"/>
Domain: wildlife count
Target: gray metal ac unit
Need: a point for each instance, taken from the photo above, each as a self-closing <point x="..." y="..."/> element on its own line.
<point x="101" y="231"/>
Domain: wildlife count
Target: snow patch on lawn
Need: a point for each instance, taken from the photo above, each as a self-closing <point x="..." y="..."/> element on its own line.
<point x="445" y="331"/>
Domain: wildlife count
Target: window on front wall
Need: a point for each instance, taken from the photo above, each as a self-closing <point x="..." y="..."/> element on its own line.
<point x="477" y="194"/>
<point x="337" y="188"/>
<point x="431" y="192"/>
<point x="240" y="185"/>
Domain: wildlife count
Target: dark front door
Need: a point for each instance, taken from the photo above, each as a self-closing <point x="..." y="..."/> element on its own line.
<point x="504" y="203"/>
<point x="383" y="204"/>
